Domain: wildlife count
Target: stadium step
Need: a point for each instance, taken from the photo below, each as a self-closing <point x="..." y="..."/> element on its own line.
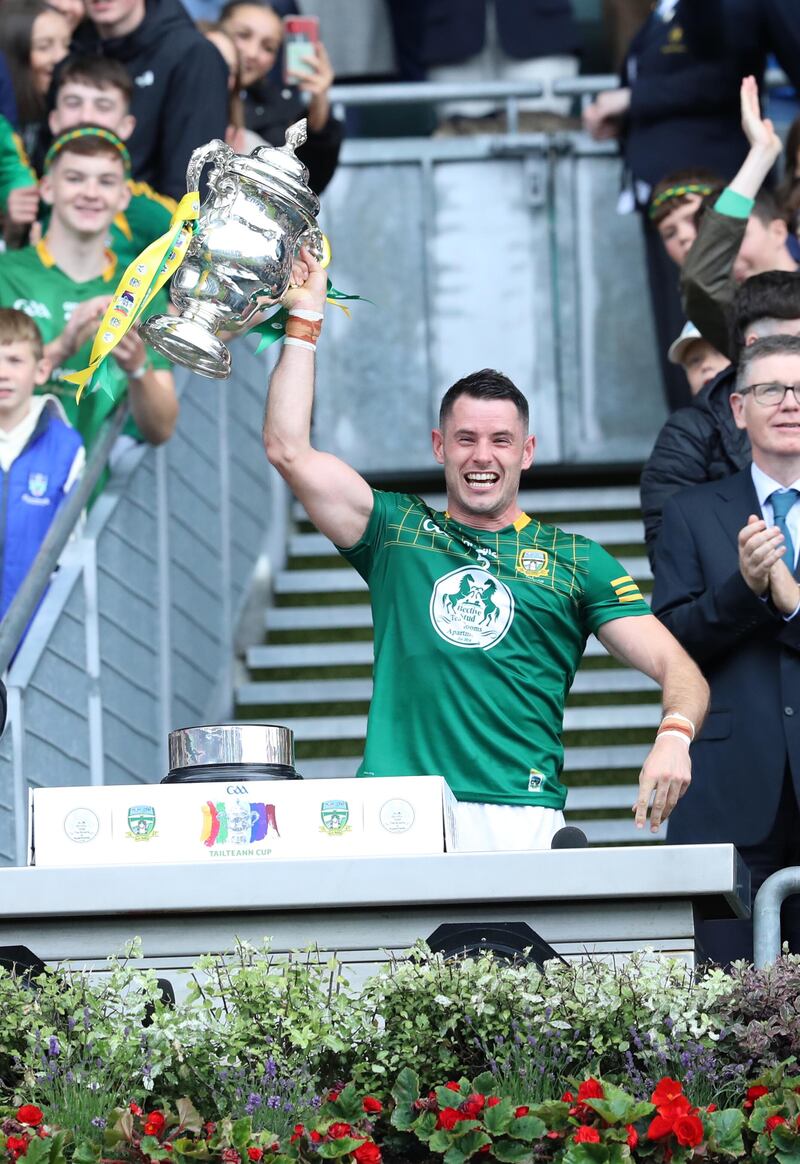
<point x="320" y="688"/>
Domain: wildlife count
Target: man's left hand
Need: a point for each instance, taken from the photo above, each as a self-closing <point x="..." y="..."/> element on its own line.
<point x="667" y="771"/>
<point x="130" y="353"/>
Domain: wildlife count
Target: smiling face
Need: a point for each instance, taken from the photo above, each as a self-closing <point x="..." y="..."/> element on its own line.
<point x="677" y="229"/>
<point x="774" y="430"/>
<point x="50" y="37"/>
<point x="86" y="191"/>
<point x="257" y="33"/>
<point x="484" y="448"/>
<point x="21" y="371"/>
<point x="82" y="103"/>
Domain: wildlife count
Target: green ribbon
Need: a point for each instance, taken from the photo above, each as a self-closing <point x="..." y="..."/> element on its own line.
<point x="274" y="328"/>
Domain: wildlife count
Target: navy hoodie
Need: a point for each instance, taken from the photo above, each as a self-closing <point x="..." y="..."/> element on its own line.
<point x="180" y="91"/>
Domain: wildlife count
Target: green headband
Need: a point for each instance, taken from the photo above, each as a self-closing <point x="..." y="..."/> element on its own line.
<point x="64" y="139"/>
<point x="681" y="191"/>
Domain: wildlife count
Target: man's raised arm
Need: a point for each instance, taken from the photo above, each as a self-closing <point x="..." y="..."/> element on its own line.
<point x="336" y="498"/>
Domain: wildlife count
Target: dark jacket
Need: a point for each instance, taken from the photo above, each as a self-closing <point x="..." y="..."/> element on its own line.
<point x="454" y="30"/>
<point x="744" y="31"/>
<point x="748" y="654"/>
<point x="269" y="111"/>
<point x="180" y="91"/>
<point x="684" y="111"/>
<point x="697" y="444"/>
<point x="707" y="284"/>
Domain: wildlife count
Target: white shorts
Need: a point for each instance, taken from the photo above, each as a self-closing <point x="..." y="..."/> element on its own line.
<point x="490" y="828"/>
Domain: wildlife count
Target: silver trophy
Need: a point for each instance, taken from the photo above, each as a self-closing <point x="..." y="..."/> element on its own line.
<point x="258" y="212"/>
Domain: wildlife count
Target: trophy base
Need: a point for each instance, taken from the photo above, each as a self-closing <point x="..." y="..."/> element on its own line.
<point x="188" y="343"/>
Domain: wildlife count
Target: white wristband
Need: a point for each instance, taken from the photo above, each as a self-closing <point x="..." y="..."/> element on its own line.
<point x="298" y="343"/>
<point x="301" y="313"/>
<point x="140" y="372"/>
<point x="678" y="735"/>
<point x="683" y="719"/>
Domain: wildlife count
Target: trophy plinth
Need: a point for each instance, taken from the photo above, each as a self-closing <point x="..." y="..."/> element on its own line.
<point x="258" y="212"/>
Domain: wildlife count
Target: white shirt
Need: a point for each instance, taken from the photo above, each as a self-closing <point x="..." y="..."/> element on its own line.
<point x="764" y="487"/>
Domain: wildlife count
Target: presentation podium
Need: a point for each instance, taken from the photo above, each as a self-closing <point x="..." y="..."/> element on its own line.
<point x="602" y="902"/>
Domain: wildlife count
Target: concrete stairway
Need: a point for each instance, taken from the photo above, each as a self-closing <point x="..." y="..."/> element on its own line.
<point x="314" y="671"/>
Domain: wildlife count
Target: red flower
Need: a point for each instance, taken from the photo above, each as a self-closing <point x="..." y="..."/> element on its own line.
<point x="367" y="1153"/>
<point x="567" y="1097"/>
<point x="688" y="1131"/>
<point x="485" y="1148"/>
<point x="339" y="1131"/>
<point x="17" y="1146"/>
<point x="633" y="1136"/>
<point x="451" y="1086"/>
<point x="230" y="1156"/>
<point x="774" y="1122"/>
<point x="754" y="1093"/>
<point x="315" y="1138"/>
<point x="168" y="1147"/>
<point x="711" y="1107"/>
<point x="449" y="1117"/>
<point x="668" y="1114"/>
<point x="666" y="1091"/>
<point x="521" y="1111"/>
<point x="255" y="1154"/>
<point x="209" y="1127"/>
<point x="371" y="1105"/>
<point x="587" y="1135"/>
<point x="591" y="1089"/>
<point x="333" y="1094"/>
<point x="30" y="1114"/>
<point x="135" y="1109"/>
<point x="154" y="1124"/>
<point x="555" y="1135"/>
<point x="299" y="1131"/>
<point x="493" y="1101"/>
<point x="473" y="1106"/>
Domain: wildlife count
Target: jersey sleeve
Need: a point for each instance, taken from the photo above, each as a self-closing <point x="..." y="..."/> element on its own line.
<point x="609" y="591"/>
<point x="16" y="171"/>
<point x="363" y="555"/>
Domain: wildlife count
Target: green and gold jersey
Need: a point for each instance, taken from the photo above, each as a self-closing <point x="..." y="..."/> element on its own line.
<point x="478" y="635"/>
<point x="31" y="282"/>
<point x="16" y="171"/>
<point x="147" y="217"/>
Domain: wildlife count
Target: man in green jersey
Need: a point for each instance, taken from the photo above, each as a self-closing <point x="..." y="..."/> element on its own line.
<point x="66" y="281"/>
<point x="481" y="612"/>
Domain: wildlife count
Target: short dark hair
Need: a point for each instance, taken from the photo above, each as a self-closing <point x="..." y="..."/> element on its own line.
<point x="772" y="295"/>
<point x="766" y="208"/>
<point x="773" y="345"/>
<point x="484" y="385"/>
<point x="17" y="327"/>
<point x="101" y="72"/>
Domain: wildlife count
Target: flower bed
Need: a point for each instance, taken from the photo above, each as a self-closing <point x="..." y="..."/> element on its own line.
<point x="475" y="1058"/>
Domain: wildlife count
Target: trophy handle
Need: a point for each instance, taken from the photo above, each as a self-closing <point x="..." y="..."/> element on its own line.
<point x="214" y="151"/>
<point x="312" y="239"/>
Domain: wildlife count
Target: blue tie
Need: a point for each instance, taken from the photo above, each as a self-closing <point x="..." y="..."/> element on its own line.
<point x="782" y="501"/>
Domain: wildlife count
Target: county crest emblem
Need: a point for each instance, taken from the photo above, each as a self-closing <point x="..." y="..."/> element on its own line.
<point x="141" y="822"/>
<point x="37" y="484"/>
<point x="533" y="563"/>
<point x="335" y="815"/>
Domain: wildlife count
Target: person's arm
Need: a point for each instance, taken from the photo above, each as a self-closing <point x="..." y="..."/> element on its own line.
<point x="151" y="391"/>
<point x="644" y="643"/>
<point x="81" y="326"/>
<point x="19" y="188"/>
<point x="708" y="620"/>
<point x="707" y="284"/>
<point x="336" y="498"/>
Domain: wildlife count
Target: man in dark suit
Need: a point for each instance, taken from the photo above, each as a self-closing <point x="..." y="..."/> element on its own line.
<point x="725" y="587"/>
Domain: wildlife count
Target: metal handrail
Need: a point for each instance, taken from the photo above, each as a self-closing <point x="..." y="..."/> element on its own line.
<point x="22" y="608"/>
<point x="767" y="914"/>
<point x="415" y="92"/>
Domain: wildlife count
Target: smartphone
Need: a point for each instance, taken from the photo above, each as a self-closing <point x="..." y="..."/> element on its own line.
<point x="301" y="36"/>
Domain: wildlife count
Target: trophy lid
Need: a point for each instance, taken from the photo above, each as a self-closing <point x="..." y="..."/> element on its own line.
<point x="281" y="171"/>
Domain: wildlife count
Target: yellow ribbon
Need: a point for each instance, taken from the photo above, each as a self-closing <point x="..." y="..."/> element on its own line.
<point x="143" y="279"/>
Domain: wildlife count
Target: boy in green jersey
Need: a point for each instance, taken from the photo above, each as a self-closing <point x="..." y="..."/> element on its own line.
<point x="65" y="283"/>
<point x="481" y="612"/>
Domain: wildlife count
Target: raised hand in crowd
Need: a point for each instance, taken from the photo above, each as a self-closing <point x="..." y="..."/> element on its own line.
<point x="603" y="118"/>
<point x="317" y="83"/>
<point x="765" y="145"/>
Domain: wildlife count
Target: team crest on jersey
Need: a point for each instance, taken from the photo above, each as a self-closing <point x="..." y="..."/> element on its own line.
<point x="37" y="484"/>
<point x="533" y="563"/>
<point x="471" y="608"/>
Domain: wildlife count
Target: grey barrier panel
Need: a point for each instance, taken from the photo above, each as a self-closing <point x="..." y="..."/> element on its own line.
<point x="135" y="635"/>
<point x="502" y="251"/>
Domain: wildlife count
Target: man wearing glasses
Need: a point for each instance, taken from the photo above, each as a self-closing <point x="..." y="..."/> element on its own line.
<point x="726" y="586"/>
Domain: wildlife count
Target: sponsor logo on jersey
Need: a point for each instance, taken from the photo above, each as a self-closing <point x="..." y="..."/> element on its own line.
<point x="626" y="589"/>
<point x="471" y="608"/>
<point x="535" y="780"/>
<point x="33" y="308"/>
<point x="37" y="484"/>
<point x="533" y="563"/>
<point x="144" y="80"/>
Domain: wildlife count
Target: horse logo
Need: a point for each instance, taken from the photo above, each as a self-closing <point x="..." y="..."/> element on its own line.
<point x="471" y="608"/>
